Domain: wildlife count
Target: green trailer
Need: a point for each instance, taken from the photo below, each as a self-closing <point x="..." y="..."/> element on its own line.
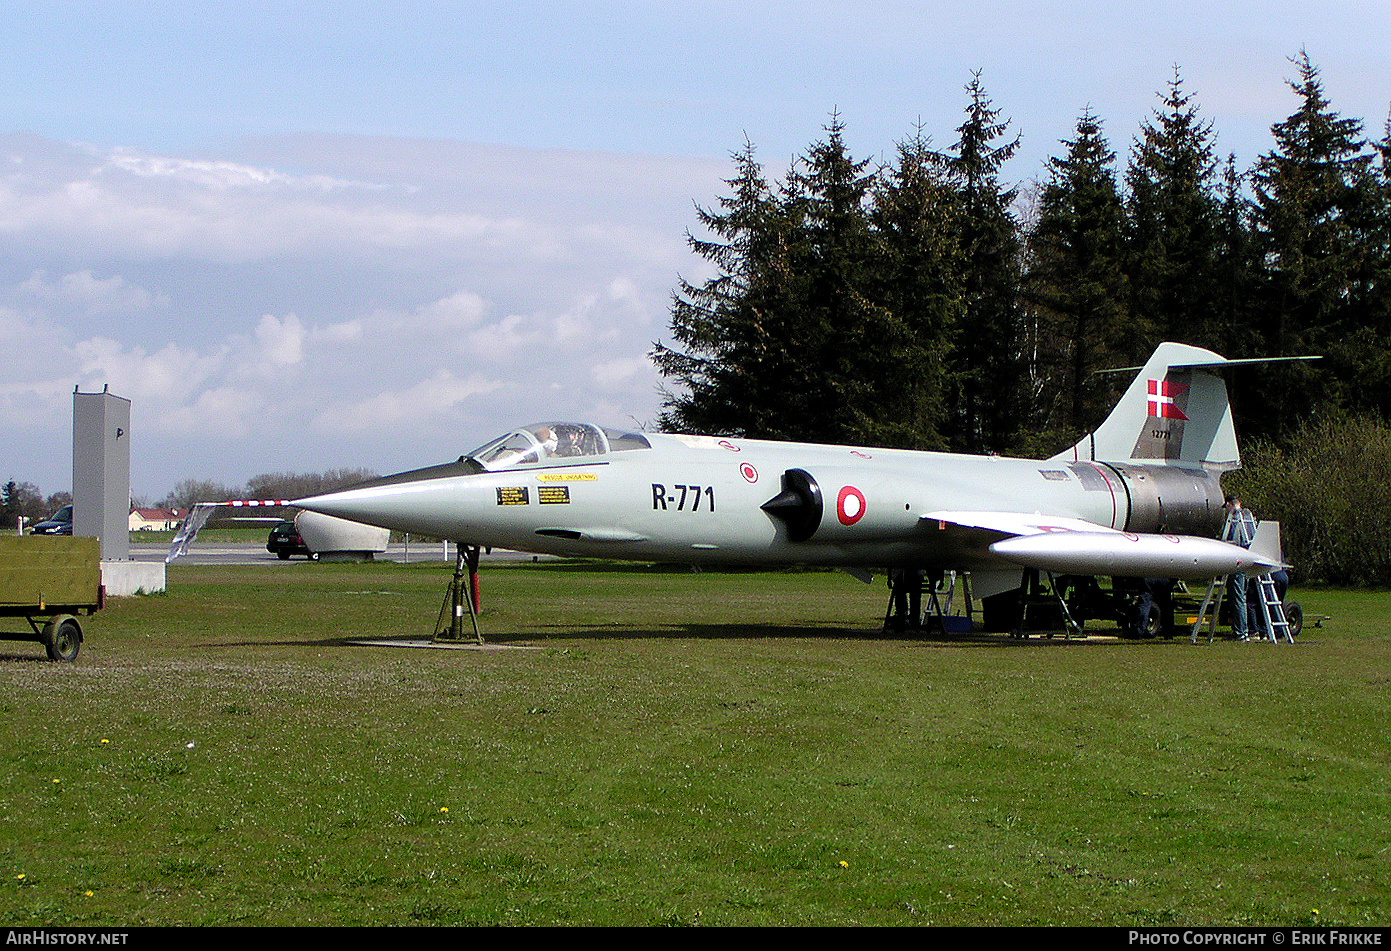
<point x="49" y="580"/>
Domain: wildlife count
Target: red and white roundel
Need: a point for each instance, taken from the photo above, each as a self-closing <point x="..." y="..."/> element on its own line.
<point x="726" y="444"/>
<point x="749" y="473"/>
<point x="850" y="505"/>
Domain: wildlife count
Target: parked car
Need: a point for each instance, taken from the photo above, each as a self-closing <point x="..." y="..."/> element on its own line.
<point x="59" y="523"/>
<point x="285" y="541"/>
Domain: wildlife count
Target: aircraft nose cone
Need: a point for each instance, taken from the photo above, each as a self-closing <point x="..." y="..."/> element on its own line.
<point x="425" y="508"/>
<point x="349" y="504"/>
<point x="433" y="501"/>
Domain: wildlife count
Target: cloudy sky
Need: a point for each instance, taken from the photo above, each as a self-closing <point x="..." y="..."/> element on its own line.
<point x="304" y="236"/>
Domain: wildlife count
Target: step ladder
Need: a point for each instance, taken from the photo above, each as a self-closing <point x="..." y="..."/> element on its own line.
<point x="1273" y="610"/>
<point x="1216" y="590"/>
<point x="908" y="611"/>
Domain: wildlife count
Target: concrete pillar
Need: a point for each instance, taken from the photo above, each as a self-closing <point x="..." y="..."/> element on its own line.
<point x="101" y="471"/>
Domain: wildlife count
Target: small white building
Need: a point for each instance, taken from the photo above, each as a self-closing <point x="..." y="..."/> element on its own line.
<point x="155" y="520"/>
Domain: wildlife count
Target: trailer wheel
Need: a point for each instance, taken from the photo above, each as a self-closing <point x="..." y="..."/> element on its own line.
<point x="1294" y="616"/>
<point x="62" y="637"/>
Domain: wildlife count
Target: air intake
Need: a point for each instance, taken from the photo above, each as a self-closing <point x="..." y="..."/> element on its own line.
<point x="798" y="505"/>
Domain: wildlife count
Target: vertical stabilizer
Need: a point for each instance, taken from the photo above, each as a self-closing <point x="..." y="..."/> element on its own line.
<point x="1175" y="411"/>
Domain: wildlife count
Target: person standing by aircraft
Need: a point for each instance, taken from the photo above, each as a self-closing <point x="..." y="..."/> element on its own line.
<point x="1240" y="531"/>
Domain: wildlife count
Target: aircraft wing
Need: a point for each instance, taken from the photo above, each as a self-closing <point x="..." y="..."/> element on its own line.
<point x="1016" y="523"/>
<point x="1075" y="546"/>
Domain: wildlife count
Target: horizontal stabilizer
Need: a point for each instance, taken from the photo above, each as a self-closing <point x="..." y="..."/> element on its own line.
<point x="203" y="511"/>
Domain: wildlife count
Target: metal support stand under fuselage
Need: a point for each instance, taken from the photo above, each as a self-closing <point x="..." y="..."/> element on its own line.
<point x="1043" y="610"/>
<point x="906" y="612"/>
<point x="463" y="589"/>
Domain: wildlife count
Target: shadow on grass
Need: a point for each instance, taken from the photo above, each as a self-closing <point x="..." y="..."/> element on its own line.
<point x="562" y="634"/>
<point x="793" y="632"/>
<point x="38" y="656"/>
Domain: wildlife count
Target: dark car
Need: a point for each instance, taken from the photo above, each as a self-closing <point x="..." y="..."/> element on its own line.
<point x="285" y="541"/>
<point x="59" y="523"/>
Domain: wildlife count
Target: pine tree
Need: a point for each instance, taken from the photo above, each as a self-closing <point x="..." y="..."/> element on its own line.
<point x="841" y="324"/>
<point x="1076" y="279"/>
<point x="986" y="369"/>
<point x="1310" y="219"/>
<point x="786" y="342"/>
<point x="9" y="505"/>
<point x="920" y="285"/>
<point x="1379" y="237"/>
<point x="1172" y="219"/>
<point x="1235" y="267"/>
<point x="732" y="329"/>
<point x="1365" y="349"/>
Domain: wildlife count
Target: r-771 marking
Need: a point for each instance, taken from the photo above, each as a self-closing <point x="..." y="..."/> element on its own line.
<point x="692" y="493"/>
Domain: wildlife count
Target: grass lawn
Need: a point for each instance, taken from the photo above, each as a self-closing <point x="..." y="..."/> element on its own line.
<point x="713" y="748"/>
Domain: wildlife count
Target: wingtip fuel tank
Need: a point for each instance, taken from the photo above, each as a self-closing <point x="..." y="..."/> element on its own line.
<point x="1130" y="554"/>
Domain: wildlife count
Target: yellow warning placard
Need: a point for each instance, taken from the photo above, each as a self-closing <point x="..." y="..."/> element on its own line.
<point x="553" y="495"/>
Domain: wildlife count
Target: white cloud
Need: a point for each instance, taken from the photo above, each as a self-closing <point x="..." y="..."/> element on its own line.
<point x="614" y="375"/>
<point x="170" y="376"/>
<point x="218" y="414"/>
<point x="427" y="401"/>
<point x="150" y="207"/>
<point x="463" y="309"/>
<point x="86" y="293"/>
<point x="218" y="175"/>
<point x="282" y="341"/>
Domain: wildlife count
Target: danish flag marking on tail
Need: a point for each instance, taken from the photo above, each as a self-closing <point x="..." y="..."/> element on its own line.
<point x="1162" y="396"/>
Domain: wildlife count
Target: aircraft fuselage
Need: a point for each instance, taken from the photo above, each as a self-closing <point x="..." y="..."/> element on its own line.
<point x="695" y="499"/>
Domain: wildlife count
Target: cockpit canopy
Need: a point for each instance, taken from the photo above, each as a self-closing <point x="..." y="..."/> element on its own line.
<point x="549" y="442"/>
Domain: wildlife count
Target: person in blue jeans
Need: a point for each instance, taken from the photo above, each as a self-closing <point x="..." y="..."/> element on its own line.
<point x="1240" y="530"/>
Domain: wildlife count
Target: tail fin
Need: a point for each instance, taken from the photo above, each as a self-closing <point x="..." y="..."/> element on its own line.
<point x="1175" y="411"/>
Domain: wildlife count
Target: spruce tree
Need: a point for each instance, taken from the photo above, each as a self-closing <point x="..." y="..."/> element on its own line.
<point x="1310" y="218"/>
<point x="1172" y="218"/>
<point x="1365" y="350"/>
<point x="920" y="284"/>
<point x="841" y="324"/>
<point x="986" y="369"/>
<point x="1076" y="280"/>
<point x="731" y="358"/>
<point x="1235" y="267"/>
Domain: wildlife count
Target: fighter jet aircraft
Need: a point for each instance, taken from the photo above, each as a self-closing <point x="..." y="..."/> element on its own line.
<point x="1139" y="497"/>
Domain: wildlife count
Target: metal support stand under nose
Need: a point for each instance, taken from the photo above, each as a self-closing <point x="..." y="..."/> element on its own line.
<point x="463" y="589"/>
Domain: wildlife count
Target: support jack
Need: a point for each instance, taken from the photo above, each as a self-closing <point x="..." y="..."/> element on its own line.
<point x="463" y="590"/>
